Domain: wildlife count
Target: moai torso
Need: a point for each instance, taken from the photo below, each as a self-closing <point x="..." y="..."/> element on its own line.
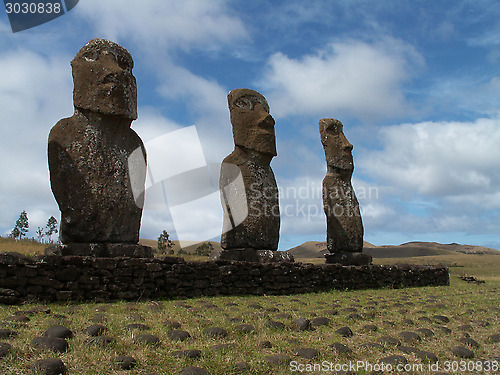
<point x="344" y="224"/>
<point x="89" y="152"/>
<point x="248" y="187"/>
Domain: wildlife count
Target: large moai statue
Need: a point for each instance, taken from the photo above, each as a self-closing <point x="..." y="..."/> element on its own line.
<point x="344" y="225"/>
<point x="249" y="193"/>
<point x="90" y="174"/>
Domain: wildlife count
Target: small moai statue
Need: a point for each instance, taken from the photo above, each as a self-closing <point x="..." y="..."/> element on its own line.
<point x="88" y="154"/>
<point x="249" y="192"/>
<point x="344" y="225"/>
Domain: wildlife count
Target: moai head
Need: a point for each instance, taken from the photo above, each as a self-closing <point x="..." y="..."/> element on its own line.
<point x="253" y="126"/>
<point x="338" y="150"/>
<point x="102" y="74"/>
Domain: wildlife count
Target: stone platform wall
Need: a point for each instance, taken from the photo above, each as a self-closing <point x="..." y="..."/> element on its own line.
<point x="58" y="278"/>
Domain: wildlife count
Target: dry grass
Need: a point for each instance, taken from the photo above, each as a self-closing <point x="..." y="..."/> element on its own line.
<point x="24" y="246"/>
<point x="387" y="309"/>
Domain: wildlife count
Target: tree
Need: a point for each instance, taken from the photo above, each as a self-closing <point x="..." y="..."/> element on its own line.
<point x="205" y="249"/>
<point x="40" y="234"/>
<point x="51" y="227"/>
<point x="15" y="233"/>
<point x="21" y="227"/>
<point x="164" y="243"/>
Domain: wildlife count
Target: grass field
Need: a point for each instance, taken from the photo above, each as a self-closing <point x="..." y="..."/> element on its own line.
<point x="441" y="316"/>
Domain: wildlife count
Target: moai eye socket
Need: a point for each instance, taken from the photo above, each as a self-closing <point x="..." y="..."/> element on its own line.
<point x="244" y="103"/>
<point x="248" y="102"/>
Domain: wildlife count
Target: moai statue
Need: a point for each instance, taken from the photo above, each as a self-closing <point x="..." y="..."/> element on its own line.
<point x="248" y="188"/>
<point x="344" y="225"/>
<point x="90" y="173"/>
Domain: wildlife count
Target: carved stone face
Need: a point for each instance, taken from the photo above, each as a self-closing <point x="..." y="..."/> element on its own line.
<point x="104" y="83"/>
<point x="338" y="150"/>
<point x="253" y="126"/>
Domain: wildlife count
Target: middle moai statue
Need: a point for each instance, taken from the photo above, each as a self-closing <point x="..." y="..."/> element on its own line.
<point x="343" y="217"/>
<point x="249" y="193"/>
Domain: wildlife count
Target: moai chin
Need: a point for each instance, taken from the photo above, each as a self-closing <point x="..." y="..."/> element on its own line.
<point x="344" y="225"/>
<point x="249" y="193"/>
<point x="89" y="157"/>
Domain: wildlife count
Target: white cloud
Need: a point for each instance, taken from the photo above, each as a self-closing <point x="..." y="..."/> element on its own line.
<point x="35" y="93"/>
<point x="164" y="24"/>
<point x="438" y="158"/>
<point x="354" y="77"/>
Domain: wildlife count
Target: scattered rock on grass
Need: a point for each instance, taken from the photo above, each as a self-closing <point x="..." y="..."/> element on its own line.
<point x="216" y="332"/>
<point x="469" y="341"/>
<point x="388" y="340"/>
<point x="172" y="324"/>
<point x="321" y="321"/>
<point x="425" y="332"/>
<point x="5" y="333"/>
<point x="340" y="348"/>
<point x="394" y="359"/>
<point x="147" y="339"/>
<point x="265" y="344"/>
<point x="370" y="328"/>
<point x="462" y="352"/>
<point x="55" y="344"/>
<point x="277" y="359"/>
<point x="125" y="362"/>
<point x="95" y="330"/>
<point x="178" y="335"/>
<point x="494" y="338"/>
<point x="301" y="324"/>
<point x="244" y="328"/>
<point x="52" y="366"/>
<point x="59" y="331"/>
<point x="345" y="332"/>
<point x="308" y="353"/>
<point x="407" y="349"/>
<point x="444" y="329"/>
<point x="4" y="349"/>
<point x="241" y="367"/>
<point x="465" y="327"/>
<point x="409" y="337"/>
<point x="423" y="355"/>
<point x="441" y="319"/>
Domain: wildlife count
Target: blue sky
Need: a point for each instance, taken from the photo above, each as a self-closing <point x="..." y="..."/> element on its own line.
<point x="415" y="83"/>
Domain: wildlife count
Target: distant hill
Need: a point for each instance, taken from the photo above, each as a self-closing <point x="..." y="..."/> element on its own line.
<point x="315" y="249"/>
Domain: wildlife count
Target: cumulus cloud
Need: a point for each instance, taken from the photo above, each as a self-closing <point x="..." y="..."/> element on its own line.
<point x="353" y="77"/>
<point x="439" y="158"/>
<point x="437" y="177"/>
<point x="164" y="24"/>
<point x="35" y="93"/>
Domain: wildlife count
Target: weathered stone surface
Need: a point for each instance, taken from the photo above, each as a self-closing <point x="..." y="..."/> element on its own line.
<point x="59" y="331"/>
<point x="100" y="250"/>
<point x="108" y="279"/>
<point x="348" y="259"/>
<point x="5" y="349"/>
<point x="55" y="344"/>
<point x="343" y="217"/>
<point x="52" y="366"/>
<point x="91" y="176"/>
<point x="253" y="255"/>
<point x="125" y="362"/>
<point x="249" y="193"/>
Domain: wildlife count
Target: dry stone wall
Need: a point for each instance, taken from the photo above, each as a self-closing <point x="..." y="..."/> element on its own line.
<point x="76" y="278"/>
